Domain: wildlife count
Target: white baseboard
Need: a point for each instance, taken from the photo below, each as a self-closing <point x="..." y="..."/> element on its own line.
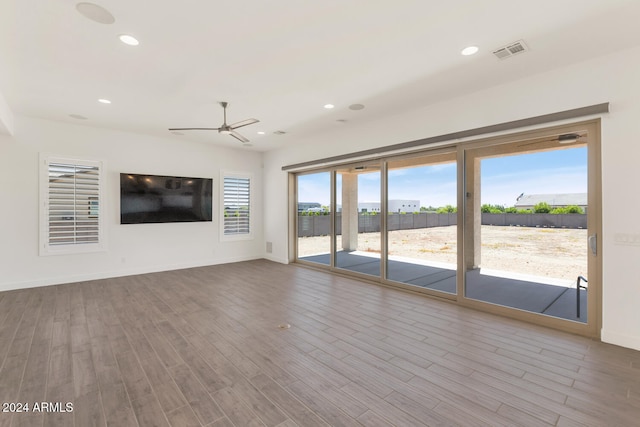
<point x="74" y="278"/>
<point x="270" y="257"/>
<point x="622" y="340"/>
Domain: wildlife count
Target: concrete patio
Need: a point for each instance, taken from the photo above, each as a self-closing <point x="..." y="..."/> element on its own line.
<point x="524" y="293"/>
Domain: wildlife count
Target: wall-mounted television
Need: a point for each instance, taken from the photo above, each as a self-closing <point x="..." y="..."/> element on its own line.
<point x="155" y="198"/>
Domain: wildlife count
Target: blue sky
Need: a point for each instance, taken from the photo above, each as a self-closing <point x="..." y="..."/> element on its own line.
<point x="503" y="180"/>
<point x="550" y="172"/>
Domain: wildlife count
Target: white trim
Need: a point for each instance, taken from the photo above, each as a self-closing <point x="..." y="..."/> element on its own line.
<point x="622" y="340"/>
<point x="277" y="259"/>
<point x="7" y="125"/>
<point x="74" y="278"/>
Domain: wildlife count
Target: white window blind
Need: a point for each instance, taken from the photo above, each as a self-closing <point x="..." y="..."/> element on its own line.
<point x="237" y="205"/>
<point x="72" y="206"/>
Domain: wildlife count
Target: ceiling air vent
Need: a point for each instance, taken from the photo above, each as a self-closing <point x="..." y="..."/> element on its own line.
<point x="510" y="50"/>
<point x="279" y="132"/>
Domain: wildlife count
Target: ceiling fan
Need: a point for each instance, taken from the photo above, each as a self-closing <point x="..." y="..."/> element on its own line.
<point x="225" y="128"/>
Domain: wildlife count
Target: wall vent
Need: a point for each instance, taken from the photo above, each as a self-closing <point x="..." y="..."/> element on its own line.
<point x="511" y="50"/>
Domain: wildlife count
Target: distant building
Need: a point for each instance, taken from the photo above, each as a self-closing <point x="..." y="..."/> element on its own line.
<point x="369" y="207"/>
<point x="404" y="206"/>
<point x="407" y="206"/>
<point x="305" y="206"/>
<point x="528" y="201"/>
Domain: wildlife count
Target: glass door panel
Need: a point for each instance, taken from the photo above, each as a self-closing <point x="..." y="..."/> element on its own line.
<point x="526" y="223"/>
<point x="358" y="219"/>
<point x="422" y="222"/>
<point x="314" y="219"/>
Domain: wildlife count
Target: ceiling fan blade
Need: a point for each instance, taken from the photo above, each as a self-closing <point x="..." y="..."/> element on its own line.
<point x="194" y="128"/>
<point x="224" y="128"/>
<point x="243" y="123"/>
<point x="237" y="136"/>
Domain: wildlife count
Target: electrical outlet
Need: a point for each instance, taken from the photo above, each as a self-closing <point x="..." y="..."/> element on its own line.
<point x="269" y="247"/>
<point x="626" y="239"/>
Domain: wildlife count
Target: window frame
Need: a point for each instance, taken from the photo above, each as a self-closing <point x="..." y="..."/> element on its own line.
<point x="236" y="236"/>
<point x="45" y="247"/>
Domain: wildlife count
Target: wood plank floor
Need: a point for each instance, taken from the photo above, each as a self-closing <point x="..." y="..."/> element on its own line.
<point x="203" y="347"/>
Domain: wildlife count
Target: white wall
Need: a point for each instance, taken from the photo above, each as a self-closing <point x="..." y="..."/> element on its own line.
<point x="131" y="249"/>
<point x="613" y="79"/>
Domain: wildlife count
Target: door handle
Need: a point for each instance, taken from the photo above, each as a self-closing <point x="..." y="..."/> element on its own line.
<point x="593" y="244"/>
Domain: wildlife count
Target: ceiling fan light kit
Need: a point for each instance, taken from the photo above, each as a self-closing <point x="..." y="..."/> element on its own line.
<point x="224" y="128"/>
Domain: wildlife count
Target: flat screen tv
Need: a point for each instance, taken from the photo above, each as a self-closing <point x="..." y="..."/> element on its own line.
<point x="154" y="199"/>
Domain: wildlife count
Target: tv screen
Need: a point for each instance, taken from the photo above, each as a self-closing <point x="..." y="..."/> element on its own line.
<point x="154" y="198"/>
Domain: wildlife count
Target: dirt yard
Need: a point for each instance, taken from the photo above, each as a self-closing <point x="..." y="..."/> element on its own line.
<point x="548" y="252"/>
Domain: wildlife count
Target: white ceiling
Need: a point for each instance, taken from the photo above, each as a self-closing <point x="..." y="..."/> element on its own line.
<point x="281" y="61"/>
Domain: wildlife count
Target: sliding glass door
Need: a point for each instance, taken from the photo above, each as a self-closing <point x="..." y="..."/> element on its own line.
<point x="508" y="224"/>
<point x="530" y="226"/>
<point x="314" y="217"/>
<point x="358" y="219"/>
<point x="421" y="222"/>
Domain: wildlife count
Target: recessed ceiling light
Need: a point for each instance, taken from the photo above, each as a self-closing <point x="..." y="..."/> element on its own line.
<point x="95" y="13"/>
<point x="77" y="116"/>
<point x="260" y="132"/>
<point x="356" y="107"/>
<point x="104" y="101"/>
<point x="177" y="133"/>
<point x="128" y="39"/>
<point x="329" y="106"/>
<point x="469" y="50"/>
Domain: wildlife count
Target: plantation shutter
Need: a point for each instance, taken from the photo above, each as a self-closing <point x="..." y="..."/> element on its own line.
<point x="73" y="204"/>
<point x="237" y="196"/>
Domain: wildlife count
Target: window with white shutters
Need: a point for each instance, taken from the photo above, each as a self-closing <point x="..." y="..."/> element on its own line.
<point x="72" y="206"/>
<point x="236" y="205"/>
